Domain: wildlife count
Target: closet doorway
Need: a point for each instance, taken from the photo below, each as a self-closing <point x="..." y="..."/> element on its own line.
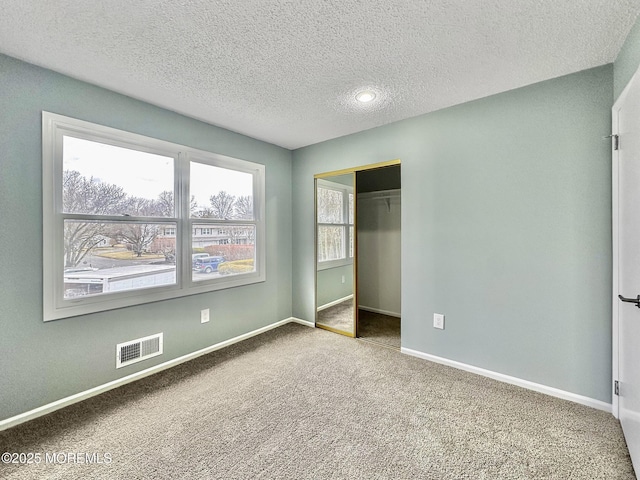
<point x="358" y="232"/>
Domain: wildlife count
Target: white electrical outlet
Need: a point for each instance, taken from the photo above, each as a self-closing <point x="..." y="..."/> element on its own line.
<point x="204" y="315"/>
<point x="438" y="321"/>
<point x="343" y="280"/>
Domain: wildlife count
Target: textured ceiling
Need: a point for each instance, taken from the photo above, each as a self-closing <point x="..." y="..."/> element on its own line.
<point x="286" y="71"/>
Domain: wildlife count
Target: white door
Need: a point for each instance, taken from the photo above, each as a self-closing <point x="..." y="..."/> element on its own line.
<point x="626" y="279"/>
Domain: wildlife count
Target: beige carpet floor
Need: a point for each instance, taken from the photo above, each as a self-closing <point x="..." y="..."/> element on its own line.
<point x="379" y="328"/>
<point x="303" y="403"/>
<point x="338" y="316"/>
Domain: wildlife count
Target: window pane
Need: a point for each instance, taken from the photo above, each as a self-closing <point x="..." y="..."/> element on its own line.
<point x="100" y="258"/>
<point x="330" y="206"/>
<point x="330" y="243"/>
<point x="221" y="250"/>
<point x="220" y="193"/>
<point x="351" y="208"/>
<point x="102" y="179"/>
<point x="351" y="234"/>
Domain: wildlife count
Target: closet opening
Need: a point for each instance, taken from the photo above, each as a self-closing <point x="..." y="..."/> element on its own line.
<point x="378" y="260"/>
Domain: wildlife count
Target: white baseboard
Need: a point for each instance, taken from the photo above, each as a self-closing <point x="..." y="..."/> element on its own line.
<point x="377" y="310"/>
<point x="78" y="397"/>
<point x="335" y="302"/>
<point x="554" y="392"/>
<point x="306" y="323"/>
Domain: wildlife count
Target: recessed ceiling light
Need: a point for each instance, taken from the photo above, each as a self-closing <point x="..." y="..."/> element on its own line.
<point x="365" y="96"/>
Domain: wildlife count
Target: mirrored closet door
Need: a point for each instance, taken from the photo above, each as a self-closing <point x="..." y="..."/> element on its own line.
<point x="335" y="252"/>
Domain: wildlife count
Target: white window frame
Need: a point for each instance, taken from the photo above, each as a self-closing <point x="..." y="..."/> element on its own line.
<point x="55" y="306"/>
<point x="346" y="190"/>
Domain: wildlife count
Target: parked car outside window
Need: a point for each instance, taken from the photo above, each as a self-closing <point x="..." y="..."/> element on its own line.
<point x="207" y="264"/>
<point x="196" y="256"/>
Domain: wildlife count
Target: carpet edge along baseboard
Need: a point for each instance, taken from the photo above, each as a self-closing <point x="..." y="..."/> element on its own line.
<point x="78" y="397"/>
<point x="501" y="377"/>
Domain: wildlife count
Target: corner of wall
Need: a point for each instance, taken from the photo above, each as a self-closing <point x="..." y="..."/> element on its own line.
<point x="627" y="61"/>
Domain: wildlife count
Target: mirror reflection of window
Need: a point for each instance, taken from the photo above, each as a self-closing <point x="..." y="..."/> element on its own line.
<point x="335" y="247"/>
<point x="334" y="221"/>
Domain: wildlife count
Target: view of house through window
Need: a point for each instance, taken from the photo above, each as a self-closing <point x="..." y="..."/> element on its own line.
<point x="100" y="180"/>
<point x="129" y="214"/>
<point x="221" y="203"/>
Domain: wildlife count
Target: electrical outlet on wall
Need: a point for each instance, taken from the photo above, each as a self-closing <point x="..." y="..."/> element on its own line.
<point x="343" y="280"/>
<point x="204" y="315"/>
<point x="438" y="321"/>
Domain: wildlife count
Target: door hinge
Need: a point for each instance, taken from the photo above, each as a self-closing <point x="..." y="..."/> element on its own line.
<point x="616" y="387"/>
<point x="615" y="139"/>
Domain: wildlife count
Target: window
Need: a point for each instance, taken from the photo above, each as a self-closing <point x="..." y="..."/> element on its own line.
<point x="335" y="224"/>
<point x="124" y="214"/>
<point x="222" y="200"/>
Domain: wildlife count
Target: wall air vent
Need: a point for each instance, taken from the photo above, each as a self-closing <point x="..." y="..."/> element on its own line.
<point x="137" y="350"/>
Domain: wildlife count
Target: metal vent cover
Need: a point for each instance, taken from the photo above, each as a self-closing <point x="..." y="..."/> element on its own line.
<point x="137" y="350"/>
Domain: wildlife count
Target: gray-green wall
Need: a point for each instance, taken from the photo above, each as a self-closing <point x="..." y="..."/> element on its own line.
<point x="43" y="362"/>
<point x="506" y="229"/>
<point x="628" y="60"/>
<point x="330" y="286"/>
